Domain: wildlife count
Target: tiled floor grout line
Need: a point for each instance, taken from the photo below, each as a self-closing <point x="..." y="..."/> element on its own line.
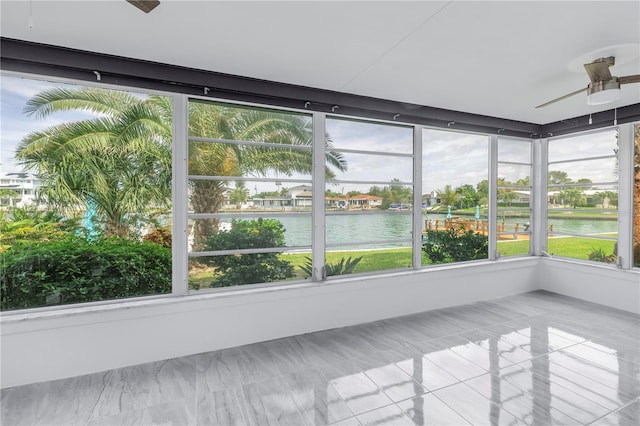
<point x="587" y="364"/>
<point x="633" y="401"/>
<point x="488" y="372"/>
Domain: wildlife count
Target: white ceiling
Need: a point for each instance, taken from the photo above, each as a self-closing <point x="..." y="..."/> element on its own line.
<point x="494" y="58"/>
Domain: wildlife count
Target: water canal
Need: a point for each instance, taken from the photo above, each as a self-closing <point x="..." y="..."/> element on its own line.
<point x="363" y="228"/>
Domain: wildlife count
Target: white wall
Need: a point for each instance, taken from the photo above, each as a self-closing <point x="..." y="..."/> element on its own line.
<point x="603" y="284"/>
<point x="74" y="341"/>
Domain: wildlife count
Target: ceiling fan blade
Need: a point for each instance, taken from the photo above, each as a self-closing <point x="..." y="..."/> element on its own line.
<point x="629" y="79"/>
<point x="145" y="5"/>
<point x="562" y="97"/>
<point x="598" y="70"/>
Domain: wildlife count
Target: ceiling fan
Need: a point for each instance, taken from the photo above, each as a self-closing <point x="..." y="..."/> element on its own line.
<point x="603" y="87"/>
<point x="145" y="5"/>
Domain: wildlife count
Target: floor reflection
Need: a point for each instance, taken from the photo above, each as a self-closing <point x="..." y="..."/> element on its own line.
<point x="535" y="359"/>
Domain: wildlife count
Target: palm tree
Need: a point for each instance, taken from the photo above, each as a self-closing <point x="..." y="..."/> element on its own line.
<point x="574" y="196"/>
<point x="448" y="196"/>
<point x="238" y="195"/>
<point x="218" y="121"/>
<point x="118" y="160"/>
<point x="508" y="196"/>
<point x="558" y="177"/>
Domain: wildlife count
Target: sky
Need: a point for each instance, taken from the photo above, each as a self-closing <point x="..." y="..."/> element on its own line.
<point x="15" y="125"/>
<point x="449" y="158"/>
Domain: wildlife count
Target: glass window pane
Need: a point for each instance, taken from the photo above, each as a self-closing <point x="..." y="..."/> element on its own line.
<point x="585" y="171"/>
<point x="376" y="168"/>
<point x="579" y="200"/>
<point x="368" y="136"/>
<point x="514" y="175"/>
<point x="452" y="158"/>
<point x="583" y="248"/>
<point x="588" y="209"/>
<point x="359" y="228"/>
<point x="513" y="228"/>
<point x="363" y="258"/>
<point x="513" y="221"/>
<point x="365" y="222"/>
<point x="514" y="150"/>
<point x="234" y="233"/>
<point x="342" y="197"/>
<point x="584" y="212"/>
<point x="584" y="146"/>
<point x="86" y="202"/>
<point x="278" y="181"/>
<point x="455" y="180"/>
<point x="514" y="233"/>
<point x="222" y="159"/>
<point x="246" y="197"/>
<point x="232" y="122"/>
<point x="242" y="269"/>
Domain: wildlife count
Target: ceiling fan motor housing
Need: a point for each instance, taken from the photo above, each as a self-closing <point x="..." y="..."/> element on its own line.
<point x="602" y="92"/>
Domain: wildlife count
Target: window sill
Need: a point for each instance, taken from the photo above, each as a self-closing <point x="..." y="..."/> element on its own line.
<point x="336" y="283"/>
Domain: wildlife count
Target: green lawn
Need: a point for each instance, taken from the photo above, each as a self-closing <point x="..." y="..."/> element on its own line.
<point x="372" y="260"/>
<point x="512" y="248"/>
<point x="579" y="213"/>
<point x="578" y="248"/>
<point x="583" y="214"/>
<point x="572" y="247"/>
<point x="388" y="259"/>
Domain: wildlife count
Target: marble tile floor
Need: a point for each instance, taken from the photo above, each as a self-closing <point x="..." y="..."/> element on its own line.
<point x="532" y="359"/>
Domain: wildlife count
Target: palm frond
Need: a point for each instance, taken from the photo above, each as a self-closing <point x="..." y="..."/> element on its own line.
<point x="69" y="139"/>
<point x="94" y="100"/>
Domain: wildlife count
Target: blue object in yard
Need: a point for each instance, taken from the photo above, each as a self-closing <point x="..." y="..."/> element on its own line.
<point x="448" y="212"/>
<point x="477" y="212"/>
<point x="89" y="219"/>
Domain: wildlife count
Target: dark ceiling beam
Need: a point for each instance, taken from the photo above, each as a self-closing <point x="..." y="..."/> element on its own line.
<point x="625" y="114"/>
<point x="35" y="58"/>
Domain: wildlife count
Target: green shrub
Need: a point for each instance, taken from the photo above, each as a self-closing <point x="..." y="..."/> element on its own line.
<point x="599" y="255"/>
<point x="160" y="235"/>
<point x="455" y="246"/>
<point x="255" y="268"/>
<point x="343" y="267"/>
<point x="74" y="271"/>
<point x="26" y="225"/>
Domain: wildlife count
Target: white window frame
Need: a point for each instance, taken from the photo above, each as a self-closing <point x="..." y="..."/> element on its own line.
<point x="538" y="240"/>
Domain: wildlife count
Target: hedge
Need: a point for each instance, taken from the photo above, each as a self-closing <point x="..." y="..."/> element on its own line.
<point x="455" y="245"/>
<point x="75" y="271"/>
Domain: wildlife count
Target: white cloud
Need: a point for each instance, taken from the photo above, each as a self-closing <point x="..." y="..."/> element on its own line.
<point x="449" y="158"/>
<point x="349" y="134"/>
<point x="453" y="158"/>
<point x="15" y="125"/>
<point x="23" y="87"/>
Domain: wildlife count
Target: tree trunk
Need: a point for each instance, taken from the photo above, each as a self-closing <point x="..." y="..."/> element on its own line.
<point x="115" y="228"/>
<point x="206" y="197"/>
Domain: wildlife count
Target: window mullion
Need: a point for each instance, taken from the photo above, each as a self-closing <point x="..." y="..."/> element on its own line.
<point x="180" y="195"/>
<point x="625" y="197"/>
<point x="493" y="197"/>
<point x="318" y="202"/>
<point x="540" y="191"/>
<point x="417" y="197"/>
